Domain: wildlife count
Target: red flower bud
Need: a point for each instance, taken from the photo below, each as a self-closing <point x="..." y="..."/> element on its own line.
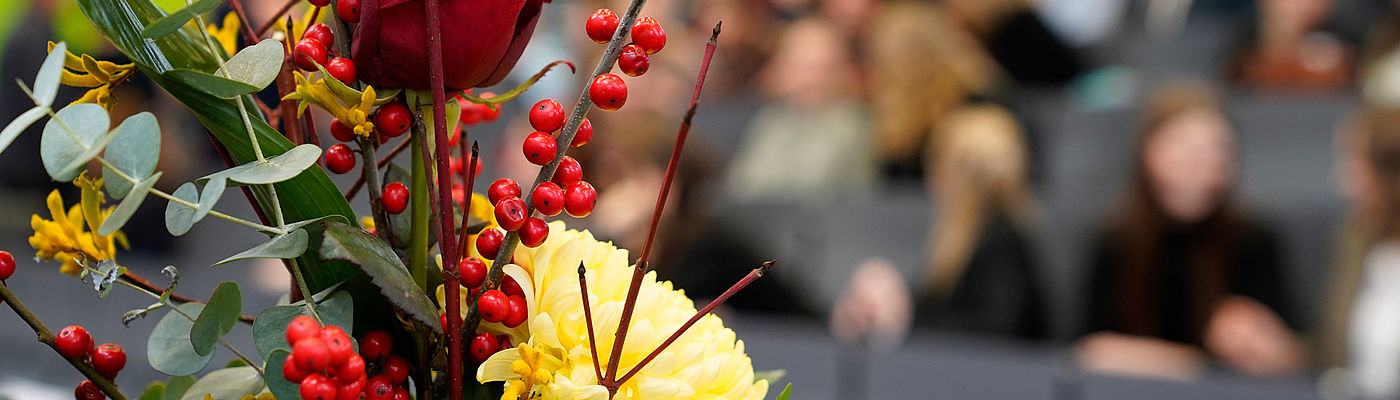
<point x="481" y="41"/>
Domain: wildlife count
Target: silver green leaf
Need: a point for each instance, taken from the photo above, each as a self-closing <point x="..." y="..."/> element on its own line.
<point x="68" y="139"/>
<point x="128" y="206"/>
<point x="227" y="383"/>
<point x="217" y="319"/>
<point x="178" y="217"/>
<point x="22" y="122"/>
<point x="169" y="350"/>
<point x="256" y="65"/>
<point x="289" y="245"/>
<point x="134" y="150"/>
<point x="46" y="82"/>
<point x="276" y="169"/>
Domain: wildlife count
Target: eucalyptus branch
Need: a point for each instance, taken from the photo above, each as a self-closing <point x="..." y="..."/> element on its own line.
<point x="223" y="342"/>
<point x="307" y="298"/>
<point x="46" y="337"/>
<point x="146" y="285"/>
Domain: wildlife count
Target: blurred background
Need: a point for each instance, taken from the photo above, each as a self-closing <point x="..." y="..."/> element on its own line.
<point x="970" y="199"/>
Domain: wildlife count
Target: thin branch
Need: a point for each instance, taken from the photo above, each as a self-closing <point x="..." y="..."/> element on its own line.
<point x="179" y="298"/>
<point x="468" y="176"/>
<point x="46" y="337"/>
<point x="276" y="16"/>
<point x="588" y="318"/>
<point x="383" y="161"/>
<point x="446" y="242"/>
<point x="237" y="6"/>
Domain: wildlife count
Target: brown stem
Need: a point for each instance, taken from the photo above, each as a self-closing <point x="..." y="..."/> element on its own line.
<point x="370" y="172"/>
<point x="383" y="161"/>
<point x="446" y="242"/>
<point x="276" y="16"/>
<point x="468" y="176"/>
<point x="137" y="280"/>
<point x="588" y="318"/>
<point x="46" y="337"/>
<point x="752" y="276"/>
<point x="237" y="6"/>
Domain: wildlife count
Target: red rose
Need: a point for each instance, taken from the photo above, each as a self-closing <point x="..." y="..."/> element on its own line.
<point x="481" y="40"/>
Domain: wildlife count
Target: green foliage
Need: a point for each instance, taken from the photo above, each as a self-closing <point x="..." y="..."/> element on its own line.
<point x="169" y="349"/>
<point x="217" y="319"/>
<point x="227" y="383"/>
<point x="272" y="374"/>
<point x="73" y="138"/>
<point x="787" y="392"/>
<point x="276" y="169"/>
<point x="178" y="218"/>
<point x="256" y="65"/>
<point x="289" y="245"/>
<point x="385" y="269"/>
<point x="46" y="82"/>
<point x="154" y="391"/>
<point x="134" y="150"/>
<point x="128" y="206"/>
<point x="177" y="387"/>
<point x="171" y="23"/>
<point x="19" y="124"/>
<point x="270" y="327"/>
<point x="211" y="84"/>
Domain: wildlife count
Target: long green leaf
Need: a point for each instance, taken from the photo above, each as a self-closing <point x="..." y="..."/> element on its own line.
<point x="171" y="23"/>
<point x="384" y="268"/>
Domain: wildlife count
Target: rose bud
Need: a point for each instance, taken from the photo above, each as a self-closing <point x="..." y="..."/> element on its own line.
<point x="481" y="41"/>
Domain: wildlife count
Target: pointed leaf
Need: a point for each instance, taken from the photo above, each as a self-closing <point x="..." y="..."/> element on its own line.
<point x="270" y="327"/>
<point x="154" y="391"/>
<point x="787" y="392"/>
<point x="272" y="374"/>
<point x="385" y="269"/>
<point x="178" y="217"/>
<point x="21" y="123"/>
<point x="46" y="82"/>
<point x="211" y="84"/>
<point x="290" y="245"/>
<point x="58" y="149"/>
<point x="134" y="150"/>
<point x="217" y="319"/>
<point x="177" y="387"/>
<point x="276" y="169"/>
<point x="128" y="206"/>
<point x="227" y="383"/>
<point x="256" y="65"/>
<point x="169" y="349"/>
<point x="175" y="20"/>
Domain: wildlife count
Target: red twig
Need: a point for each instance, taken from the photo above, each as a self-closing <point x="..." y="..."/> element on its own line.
<point x="588" y="318"/>
<point x="288" y="7"/>
<point x="46" y="337"/>
<point x="446" y="242"/>
<point x="237" y="6"/>
<point x="468" y="176"/>
<point x="137" y="280"/>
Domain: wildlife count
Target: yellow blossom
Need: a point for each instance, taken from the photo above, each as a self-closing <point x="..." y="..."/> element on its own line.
<point x="353" y="112"/>
<point x="64" y="238"/>
<point x="88" y="72"/>
<point x="554" y="360"/>
<point x="226" y="33"/>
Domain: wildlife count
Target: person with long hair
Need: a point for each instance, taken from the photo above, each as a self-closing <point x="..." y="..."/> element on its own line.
<point x="1181" y="274"/>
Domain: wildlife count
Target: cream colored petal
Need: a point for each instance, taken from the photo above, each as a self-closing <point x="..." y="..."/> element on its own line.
<point x="497" y="368"/>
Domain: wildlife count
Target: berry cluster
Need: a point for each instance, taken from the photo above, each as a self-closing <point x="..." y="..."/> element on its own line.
<point x="314" y="49"/>
<point x="323" y="361"/>
<point x="75" y="343"/>
<point x="608" y="91"/>
<point x="392" y="381"/>
<point x="7" y="267"/>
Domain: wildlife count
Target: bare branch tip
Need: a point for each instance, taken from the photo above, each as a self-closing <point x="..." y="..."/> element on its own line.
<point x="475" y="151"/>
<point x="767" y="265"/>
<point x="581" y="270"/>
<point x="715" y="32"/>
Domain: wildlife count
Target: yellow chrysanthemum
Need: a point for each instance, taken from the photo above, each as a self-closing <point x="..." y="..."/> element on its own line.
<point x="64" y="238"/>
<point x="226" y="33"/>
<point x="555" y="361"/>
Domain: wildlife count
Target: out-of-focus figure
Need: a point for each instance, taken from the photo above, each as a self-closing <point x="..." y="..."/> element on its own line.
<point x="1379" y="67"/>
<point x="1362" y="330"/>
<point x="1018" y="38"/>
<point x="1181" y="275"/>
<point x="1292" y="49"/>
<point x="981" y="275"/>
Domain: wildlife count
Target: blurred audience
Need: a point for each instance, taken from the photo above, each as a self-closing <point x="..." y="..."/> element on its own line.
<point x="1182" y="274"/>
<point x="1015" y="35"/>
<point x="1293" y="49"/>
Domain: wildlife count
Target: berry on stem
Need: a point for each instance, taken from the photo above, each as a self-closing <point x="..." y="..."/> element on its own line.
<point x="380" y="387"/>
<point x="483" y="346"/>
<point x="395" y="198"/>
<point x="534" y="232"/>
<point x="348" y="10"/>
<point x="584" y="134"/>
<point x="473" y="271"/>
<point x="519" y="311"/>
<point x="354" y="368"/>
<point x="648" y="34"/>
<point x="343" y="70"/>
<point x="350" y="390"/>
<point x="510" y="213"/>
<point x="393" y="119"/>
<point x="320" y="32"/>
<point x="311" y="354"/>
<point x="502" y="188"/>
<point x="397" y="369"/>
<point x="539" y="148"/>
<point x="302" y="327"/>
<point x="511" y="287"/>
<point x="376" y="345"/>
<point x="88" y="391"/>
<point x="108" y="359"/>
<point x="634" y="60"/>
<point x="579" y="199"/>
<point x="548" y="198"/>
<point x="290" y="371"/>
<point x="569" y="171"/>
<point x="493" y="305"/>
<point x="339" y="158"/>
<point x="338" y="344"/>
<point x="488" y="242"/>
<point x="601" y="25"/>
<point x="7" y="265"/>
<point x="74" y="342"/>
<point x="341" y="132"/>
<point x="318" y="387"/>
<point x="310" y="52"/>
<point x="547" y="115"/>
<point x="608" y="92"/>
<point x="401" y="393"/>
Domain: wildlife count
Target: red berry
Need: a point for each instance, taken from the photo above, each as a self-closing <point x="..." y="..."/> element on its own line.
<point x="348" y="10"/>
<point x="493" y="306"/>
<point x="473" y="271"/>
<point x="470" y="113"/>
<point x="393" y="119"/>
<point x="74" y="342"/>
<point x="339" y="158"/>
<point x="547" y="115"/>
<point x="488" y="242"/>
<point x="539" y="148"/>
<point x="648" y="34"/>
<point x="634" y="60"/>
<point x="401" y="393"/>
<point x="7" y="265"/>
<point x="502" y="188"/>
<point x="442" y="321"/>
<point x="584" y="134"/>
<point x="511" y="287"/>
<point x="510" y="213"/>
<point x="310" y="52"/>
<point x="342" y="132"/>
<point x="483" y="345"/>
<point x="353" y="369"/>
<point x="311" y="354"/>
<point x="320" y="3"/>
<point x="376" y="345"/>
<point x="320" y="32"/>
<point x="318" y="387"/>
<point x="548" y="198"/>
<point x="608" y="92"/>
<point x="88" y="391"/>
<point x="350" y="390"/>
<point x="519" y="311"/>
<point x="395" y="198"/>
<point x="534" y="233"/>
<point x="601" y="25"/>
<point x="504" y="342"/>
<point x="569" y="171"/>
<point x="291" y="372"/>
<point x="343" y="70"/>
<point x="108" y="359"/>
<point x="380" y="387"/>
<point x="302" y="327"/>
<point x="397" y="369"/>
<point x="579" y="199"/>
<point x="338" y="343"/>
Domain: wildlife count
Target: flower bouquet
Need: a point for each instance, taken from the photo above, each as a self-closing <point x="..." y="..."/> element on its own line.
<point x="441" y="292"/>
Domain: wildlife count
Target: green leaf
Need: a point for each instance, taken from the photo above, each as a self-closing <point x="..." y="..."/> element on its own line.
<point x="272" y="374"/>
<point x="270" y="327"/>
<point x="256" y="65"/>
<point x="217" y="319"/>
<point x="154" y="391"/>
<point x="385" y="269"/>
<point x="276" y="169"/>
<point x="46" y="82"/>
<point x="787" y="391"/>
<point x="299" y="224"/>
<point x="772" y="376"/>
<point x="16" y="127"/>
<point x="169" y="349"/>
<point x="211" y="84"/>
<point x="128" y="206"/>
<point x="290" y="245"/>
<point x="175" y="20"/>
<point x="57" y="148"/>
<point x="134" y="150"/>
<point x="227" y="383"/>
<point x="178" y="217"/>
<point x="213" y="190"/>
<point x="177" y="387"/>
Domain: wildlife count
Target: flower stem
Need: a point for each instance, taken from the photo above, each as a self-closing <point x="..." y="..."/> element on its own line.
<point x="383" y="161"/>
<point x="468" y="176"/>
<point x="421" y="226"/>
<point x="445" y="240"/>
<point x="46" y="337"/>
<point x="370" y="172"/>
<point x="307" y="296"/>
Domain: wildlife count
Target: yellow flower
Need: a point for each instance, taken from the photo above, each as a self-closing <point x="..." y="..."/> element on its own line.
<point x="351" y="111"/>
<point x="88" y="72"/>
<point x="554" y="360"/>
<point x="226" y="33"/>
<point x="64" y="239"/>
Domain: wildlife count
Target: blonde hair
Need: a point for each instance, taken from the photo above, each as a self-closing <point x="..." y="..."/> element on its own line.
<point x="978" y="168"/>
